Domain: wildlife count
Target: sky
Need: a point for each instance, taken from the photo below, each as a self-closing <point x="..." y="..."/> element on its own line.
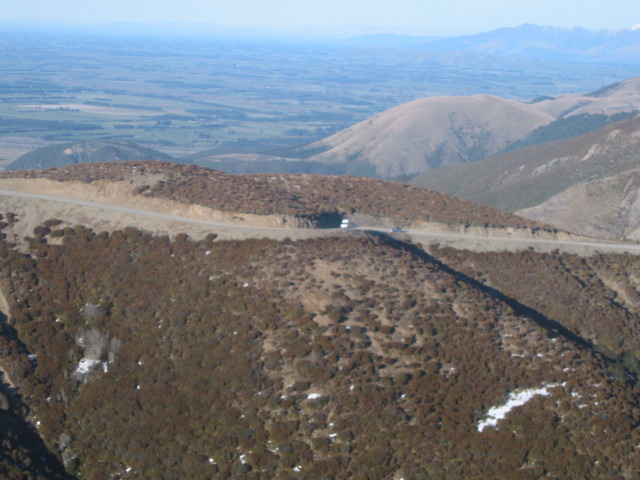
<point x="416" y="17"/>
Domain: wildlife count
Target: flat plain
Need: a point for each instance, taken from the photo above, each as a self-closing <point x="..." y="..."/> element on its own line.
<point x="185" y="95"/>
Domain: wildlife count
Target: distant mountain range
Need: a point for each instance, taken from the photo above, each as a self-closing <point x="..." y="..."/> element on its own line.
<point x="573" y="44"/>
<point x="534" y="41"/>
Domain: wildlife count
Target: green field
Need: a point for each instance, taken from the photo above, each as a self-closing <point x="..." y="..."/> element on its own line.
<point x="183" y="96"/>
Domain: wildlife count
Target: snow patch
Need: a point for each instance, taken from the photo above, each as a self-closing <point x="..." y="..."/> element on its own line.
<point x="314" y="396"/>
<point x="85" y="365"/>
<point x="516" y="399"/>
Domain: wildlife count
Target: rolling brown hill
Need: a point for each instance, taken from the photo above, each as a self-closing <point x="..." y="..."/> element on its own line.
<point x="431" y="132"/>
<point x="442" y="131"/>
<point x="529" y="177"/>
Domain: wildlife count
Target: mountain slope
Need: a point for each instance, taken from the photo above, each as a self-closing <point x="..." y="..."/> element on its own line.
<point x="430" y="132"/>
<point x="355" y="355"/>
<point x="274" y="357"/>
<point x="528" y="177"/>
<point x="607" y="207"/>
<point x="310" y="197"/>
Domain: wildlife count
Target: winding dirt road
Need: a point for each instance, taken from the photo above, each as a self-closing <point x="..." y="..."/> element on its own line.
<point x="35" y="208"/>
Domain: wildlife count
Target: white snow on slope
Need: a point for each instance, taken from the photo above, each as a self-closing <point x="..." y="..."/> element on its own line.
<point x="516" y="399"/>
<point x="85" y="365"/>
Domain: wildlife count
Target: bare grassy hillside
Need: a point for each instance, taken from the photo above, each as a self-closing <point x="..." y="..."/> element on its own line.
<point x="432" y="132"/>
<point x="608" y="207"/>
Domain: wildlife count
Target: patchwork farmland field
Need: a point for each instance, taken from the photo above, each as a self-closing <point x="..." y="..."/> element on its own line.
<point x="184" y="95"/>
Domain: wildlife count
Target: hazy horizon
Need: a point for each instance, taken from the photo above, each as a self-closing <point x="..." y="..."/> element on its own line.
<point x="330" y="18"/>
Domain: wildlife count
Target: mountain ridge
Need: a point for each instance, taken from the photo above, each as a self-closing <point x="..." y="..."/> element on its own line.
<point x="97" y="150"/>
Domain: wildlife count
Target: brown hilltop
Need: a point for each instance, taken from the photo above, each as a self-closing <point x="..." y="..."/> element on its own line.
<point x="290" y="194"/>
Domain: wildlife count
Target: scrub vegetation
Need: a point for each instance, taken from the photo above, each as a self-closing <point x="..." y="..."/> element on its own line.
<point x="361" y="357"/>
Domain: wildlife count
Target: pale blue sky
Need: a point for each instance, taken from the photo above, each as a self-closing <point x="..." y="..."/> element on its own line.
<point x="427" y="17"/>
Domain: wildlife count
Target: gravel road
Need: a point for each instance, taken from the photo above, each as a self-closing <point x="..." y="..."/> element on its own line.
<point x="34" y="208"/>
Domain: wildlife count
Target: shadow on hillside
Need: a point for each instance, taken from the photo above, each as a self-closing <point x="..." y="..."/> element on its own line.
<point x="555" y="328"/>
<point x="23" y="449"/>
